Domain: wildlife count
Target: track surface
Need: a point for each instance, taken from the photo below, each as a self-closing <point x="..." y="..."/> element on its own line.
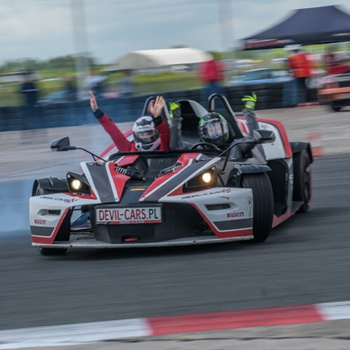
<point x="305" y="260"/>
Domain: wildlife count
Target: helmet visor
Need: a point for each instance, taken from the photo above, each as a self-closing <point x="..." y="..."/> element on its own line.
<point x="213" y="130"/>
<point x="146" y="137"/>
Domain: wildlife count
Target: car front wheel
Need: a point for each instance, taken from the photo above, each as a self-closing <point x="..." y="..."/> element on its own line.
<point x="262" y="204"/>
<point x="302" y="180"/>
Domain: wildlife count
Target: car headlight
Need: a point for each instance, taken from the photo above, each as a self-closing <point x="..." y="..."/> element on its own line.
<point x="204" y="180"/>
<point x="78" y="184"/>
<point x="207" y="177"/>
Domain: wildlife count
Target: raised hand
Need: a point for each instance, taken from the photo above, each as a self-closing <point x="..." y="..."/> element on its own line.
<point x="93" y="102"/>
<point x="156" y="106"/>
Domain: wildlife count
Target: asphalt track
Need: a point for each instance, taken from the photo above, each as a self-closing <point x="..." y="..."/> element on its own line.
<point x="305" y="260"/>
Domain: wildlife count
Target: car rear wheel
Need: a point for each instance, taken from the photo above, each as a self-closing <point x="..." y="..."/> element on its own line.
<point x="262" y="204"/>
<point x="302" y="180"/>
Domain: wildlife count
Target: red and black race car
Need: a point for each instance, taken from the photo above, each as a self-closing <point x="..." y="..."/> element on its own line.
<point x="182" y="197"/>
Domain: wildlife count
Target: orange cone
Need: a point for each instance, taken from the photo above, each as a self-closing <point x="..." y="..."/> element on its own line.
<point x="315" y="140"/>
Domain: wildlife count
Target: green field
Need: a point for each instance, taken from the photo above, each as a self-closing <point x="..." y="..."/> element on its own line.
<point x="51" y="74"/>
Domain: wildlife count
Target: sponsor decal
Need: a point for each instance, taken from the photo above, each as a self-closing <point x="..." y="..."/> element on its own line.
<point x="137" y="189"/>
<point x="128" y="215"/>
<point x="235" y="215"/>
<point x="65" y="200"/>
<point x="196" y="195"/>
<point x="39" y="222"/>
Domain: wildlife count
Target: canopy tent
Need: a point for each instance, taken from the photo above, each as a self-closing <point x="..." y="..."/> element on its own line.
<point x="308" y="26"/>
<point x="145" y="59"/>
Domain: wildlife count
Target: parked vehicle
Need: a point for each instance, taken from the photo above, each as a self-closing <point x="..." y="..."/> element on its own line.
<point x="334" y="91"/>
<point x="261" y="75"/>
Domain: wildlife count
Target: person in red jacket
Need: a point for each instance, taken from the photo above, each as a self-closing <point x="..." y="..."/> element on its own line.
<point x="210" y="73"/>
<point x="150" y="132"/>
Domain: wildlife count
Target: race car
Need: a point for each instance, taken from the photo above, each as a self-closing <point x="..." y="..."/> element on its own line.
<point x="180" y="197"/>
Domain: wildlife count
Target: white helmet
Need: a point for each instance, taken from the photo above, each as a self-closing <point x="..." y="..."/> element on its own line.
<point x="146" y="137"/>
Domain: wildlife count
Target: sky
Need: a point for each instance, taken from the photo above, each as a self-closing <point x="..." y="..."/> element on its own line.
<point x="108" y="29"/>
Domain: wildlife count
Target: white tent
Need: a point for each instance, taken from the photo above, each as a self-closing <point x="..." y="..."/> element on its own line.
<point x="145" y="59"/>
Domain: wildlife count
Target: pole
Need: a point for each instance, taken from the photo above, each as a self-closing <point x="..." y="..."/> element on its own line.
<point x="226" y="28"/>
<point x="82" y="65"/>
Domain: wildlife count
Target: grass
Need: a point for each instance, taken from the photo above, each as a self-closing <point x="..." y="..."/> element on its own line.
<point x="143" y="84"/>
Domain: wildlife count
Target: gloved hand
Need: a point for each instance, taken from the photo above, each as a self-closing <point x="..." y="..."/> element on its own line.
<point x="175" y="110"/>
<point x="250" y="101"/>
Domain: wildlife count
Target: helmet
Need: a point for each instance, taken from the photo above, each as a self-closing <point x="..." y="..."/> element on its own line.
<point x="213" y="128"/>
<point x="146" y="137"/>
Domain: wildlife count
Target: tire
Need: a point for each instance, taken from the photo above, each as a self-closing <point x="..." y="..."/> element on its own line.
<point x="262" y="204"/>
<point x="335" y="108"/>
<point x="39" y="191"/>
<point x="49" y="186"/>
<point x="53" y="251"/>
<point x="302" y="190"/>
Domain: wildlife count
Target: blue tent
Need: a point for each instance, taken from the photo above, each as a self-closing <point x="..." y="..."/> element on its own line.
<point x="308" y="26"/>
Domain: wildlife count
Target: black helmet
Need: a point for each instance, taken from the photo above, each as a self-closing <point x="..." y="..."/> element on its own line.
<point x="213" y="128"/>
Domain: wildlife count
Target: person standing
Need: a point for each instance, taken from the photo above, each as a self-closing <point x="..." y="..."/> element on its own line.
<point x="300" y="67"/>
<point x="210" y="73"/>
<point x="126" y="85"/>
<point x="29" y="92"/>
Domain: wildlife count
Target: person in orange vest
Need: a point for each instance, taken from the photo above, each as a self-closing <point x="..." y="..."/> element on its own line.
<point x="299" y="64"/>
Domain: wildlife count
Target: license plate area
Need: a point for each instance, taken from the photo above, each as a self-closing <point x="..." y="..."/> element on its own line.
<point x="129" y="215"/>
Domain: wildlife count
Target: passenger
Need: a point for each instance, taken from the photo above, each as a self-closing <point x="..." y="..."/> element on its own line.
<point x="149" y="132"/>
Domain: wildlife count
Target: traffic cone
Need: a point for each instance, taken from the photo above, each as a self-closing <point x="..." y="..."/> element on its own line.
<point x="315" y="140"/>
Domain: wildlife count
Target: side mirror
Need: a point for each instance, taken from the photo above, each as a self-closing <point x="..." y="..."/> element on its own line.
<point x="264" y="136"/>
<point x="62" y="144"/>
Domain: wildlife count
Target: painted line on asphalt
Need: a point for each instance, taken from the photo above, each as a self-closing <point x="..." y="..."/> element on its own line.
<point x="84" y="333"/>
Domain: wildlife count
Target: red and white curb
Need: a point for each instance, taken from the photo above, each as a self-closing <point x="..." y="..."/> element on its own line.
<point x="84" y="333"/>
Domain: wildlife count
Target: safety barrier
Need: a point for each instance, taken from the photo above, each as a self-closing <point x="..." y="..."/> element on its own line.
<point x="122" y="110"/>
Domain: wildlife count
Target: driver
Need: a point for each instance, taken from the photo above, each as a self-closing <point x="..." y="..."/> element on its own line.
<point x="149" y="132"/>
<point x="213" y="128"/>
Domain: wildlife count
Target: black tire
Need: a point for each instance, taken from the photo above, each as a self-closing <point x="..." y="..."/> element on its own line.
<point x="39" y="191"/>
<point x="53" y="251"/>
<point x="262" y="204"/>
<point x="302" y="189"/>
<point x="335" y="107"/>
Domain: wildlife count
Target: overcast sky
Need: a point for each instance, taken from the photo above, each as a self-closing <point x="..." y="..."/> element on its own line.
<point x="108" y="29"/>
